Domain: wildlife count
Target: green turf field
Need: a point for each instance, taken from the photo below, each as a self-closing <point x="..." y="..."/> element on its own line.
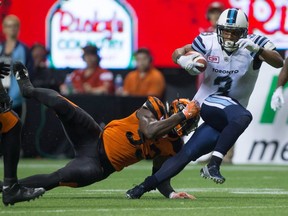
<point x="249" y="190"/>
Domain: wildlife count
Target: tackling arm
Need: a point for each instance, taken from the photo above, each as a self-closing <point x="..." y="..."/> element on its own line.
<point x="153" y="128"/>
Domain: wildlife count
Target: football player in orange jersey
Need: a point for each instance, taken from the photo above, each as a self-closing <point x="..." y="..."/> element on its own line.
<point x="10" y="130"/>
<point x="145" y="134"/>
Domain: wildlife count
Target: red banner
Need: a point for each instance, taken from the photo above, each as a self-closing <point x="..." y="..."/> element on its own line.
<point x="161" y="25"/>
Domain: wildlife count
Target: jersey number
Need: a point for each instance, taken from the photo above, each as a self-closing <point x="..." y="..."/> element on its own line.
<point x="224" y="84"/>
<point x="139" y="142"/>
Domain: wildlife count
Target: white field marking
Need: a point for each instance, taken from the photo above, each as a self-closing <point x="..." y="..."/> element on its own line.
<point x="198" y="189"/>
<point x="147" y="166"/>
<point x="275" y="191"/>
<point x="266" y="192"/>
<point x="255" y="191"/>
<point x="14" y="211"/>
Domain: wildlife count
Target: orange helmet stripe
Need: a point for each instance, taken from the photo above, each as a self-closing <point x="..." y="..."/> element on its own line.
<point x="156" y="107"/>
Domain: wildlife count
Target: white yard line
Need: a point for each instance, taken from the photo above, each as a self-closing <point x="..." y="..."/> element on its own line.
<point x="14" y="211"/>
<point x="274" y="191"/>
<point x="146" y="166"/>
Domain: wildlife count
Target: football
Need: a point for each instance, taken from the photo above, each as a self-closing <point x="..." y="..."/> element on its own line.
<point x="198" y="58"/>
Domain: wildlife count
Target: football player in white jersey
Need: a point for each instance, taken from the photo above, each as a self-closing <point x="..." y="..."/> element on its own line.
<point x="277" y="99"/>
<point x="234" y="59"/>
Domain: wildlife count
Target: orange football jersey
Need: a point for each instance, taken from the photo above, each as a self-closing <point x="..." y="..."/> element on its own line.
<point x="8" y="120"/>
<point x="124" y="145"/>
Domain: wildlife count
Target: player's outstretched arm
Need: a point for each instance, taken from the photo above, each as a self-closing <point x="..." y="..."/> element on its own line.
<point x="153" y="128"/>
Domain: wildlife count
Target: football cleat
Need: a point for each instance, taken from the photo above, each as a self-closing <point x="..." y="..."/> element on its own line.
<point x="17" y="193"/>
<point x="212" y="172"/>
<point x="21" y="74"/>
<point x="136" y="192"/>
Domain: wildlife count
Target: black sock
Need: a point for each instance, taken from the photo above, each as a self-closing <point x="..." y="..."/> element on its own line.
<point x="11" y="150"/>
<point x="215" y="161"/>
<point x="150" y="183"/>
<point x="9" y="182"/>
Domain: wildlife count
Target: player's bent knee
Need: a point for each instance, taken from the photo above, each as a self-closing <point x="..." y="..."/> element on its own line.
<point x="243" y="121"/>
<point x="81" y="172"/>
<point x="63" y="108"/>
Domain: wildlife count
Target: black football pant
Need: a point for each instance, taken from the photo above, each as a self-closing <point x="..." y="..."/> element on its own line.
<point x="83" y="133"/>
<point x="10" y="144"/>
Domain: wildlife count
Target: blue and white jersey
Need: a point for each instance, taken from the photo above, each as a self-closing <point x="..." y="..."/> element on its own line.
<point x="231" y="75"/>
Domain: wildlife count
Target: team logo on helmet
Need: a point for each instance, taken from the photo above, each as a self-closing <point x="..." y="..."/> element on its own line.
<point x="156" y="107"/>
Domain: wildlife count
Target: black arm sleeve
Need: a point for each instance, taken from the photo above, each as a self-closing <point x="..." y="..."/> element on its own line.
<point x="165" y="187"/>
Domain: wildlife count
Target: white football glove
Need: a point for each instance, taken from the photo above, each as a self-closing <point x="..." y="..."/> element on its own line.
<point x="189" y="65"/>
<point x="248" y="44"/>
<point x="277" y="99"/>
<point x="181" y="195"/>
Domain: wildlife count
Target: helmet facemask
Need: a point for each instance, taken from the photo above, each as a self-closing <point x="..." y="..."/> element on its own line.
<point x="230" y="45"/>
<point x="187" y="126"/>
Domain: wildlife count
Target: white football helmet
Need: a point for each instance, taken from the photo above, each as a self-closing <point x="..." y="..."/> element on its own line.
<point x="232" y="19"/>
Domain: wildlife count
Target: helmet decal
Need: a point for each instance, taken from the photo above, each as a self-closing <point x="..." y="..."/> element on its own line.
<point x="231" y="16"/>
<point x="156" y="107"/>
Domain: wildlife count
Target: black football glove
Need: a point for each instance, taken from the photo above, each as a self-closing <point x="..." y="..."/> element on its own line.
<point x="4" y="69"/>
<point x="5" y="102"/>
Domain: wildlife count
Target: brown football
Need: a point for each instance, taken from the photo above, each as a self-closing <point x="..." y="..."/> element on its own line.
<point x="198" y="58"/>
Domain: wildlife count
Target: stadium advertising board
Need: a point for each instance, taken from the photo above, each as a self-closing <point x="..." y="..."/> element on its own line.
<point x="73" y="24"/>
<point x="266" y="139"/>
<point x="159" y="25"/>
<point x="267" y="17"/>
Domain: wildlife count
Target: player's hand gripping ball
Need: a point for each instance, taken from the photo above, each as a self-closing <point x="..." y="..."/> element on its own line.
<point x="193" y="62"/>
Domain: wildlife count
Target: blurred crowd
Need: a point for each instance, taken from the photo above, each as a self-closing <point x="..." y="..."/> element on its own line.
<point x="143" y="81"/>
